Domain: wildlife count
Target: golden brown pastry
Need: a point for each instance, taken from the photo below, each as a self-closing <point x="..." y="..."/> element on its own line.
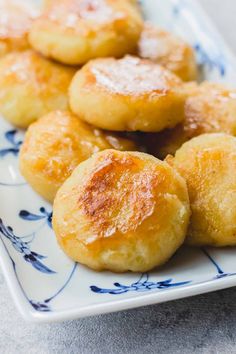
<point x="56" y="144"/>
<point x="208" y="163"/>
<point x="121" y="211"/>
<point x="16" y="18"/>
<point x="169" y="51"/>
<point x="75" y="31"/>
<point x="209" y="108"/>
<point x="47" y="3"/>
<point x="127" y="94"/>
<point x="31" y="86"/>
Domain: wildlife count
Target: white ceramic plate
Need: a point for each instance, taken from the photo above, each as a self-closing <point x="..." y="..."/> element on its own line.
<point x="46" y="285"/>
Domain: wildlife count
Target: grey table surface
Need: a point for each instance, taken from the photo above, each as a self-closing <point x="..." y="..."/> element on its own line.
<point x="201" y="324"/>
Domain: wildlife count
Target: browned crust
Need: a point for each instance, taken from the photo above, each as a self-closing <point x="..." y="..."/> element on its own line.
<point x="109" y="189"/>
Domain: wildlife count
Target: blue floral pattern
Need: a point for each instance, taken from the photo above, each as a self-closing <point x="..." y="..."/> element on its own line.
<point x="43" y="215"/>
<point x="22" y="245"/>
<point x="220" y="273"/>
<point x="12" y="148"/>
<point x="44" y="306"/>
<point x="143" y="284"/>
<point x="14" y="143"/>
<point x="207" y="60"/>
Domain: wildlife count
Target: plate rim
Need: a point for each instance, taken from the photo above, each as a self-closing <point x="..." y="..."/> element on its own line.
<point x="154" y="297"/>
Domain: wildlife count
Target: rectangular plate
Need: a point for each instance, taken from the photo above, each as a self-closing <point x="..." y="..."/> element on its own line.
<point x="45" y="284"/>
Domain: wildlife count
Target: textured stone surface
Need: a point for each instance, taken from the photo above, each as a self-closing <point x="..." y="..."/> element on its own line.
<point x="202" y="324"/>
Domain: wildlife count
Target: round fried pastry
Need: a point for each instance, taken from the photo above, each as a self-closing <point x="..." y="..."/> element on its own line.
<point x="127" y="94"/>
<point x="169" y="51"/>
<point x="16" y="18"/>
<point x="121" y="211"/>
<point x="56" y="144"/>
<point x="208" y="164"/>
<point x="31" y="86"/>
<point x="75" y="31"/>
<point x="209" y="108"/>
